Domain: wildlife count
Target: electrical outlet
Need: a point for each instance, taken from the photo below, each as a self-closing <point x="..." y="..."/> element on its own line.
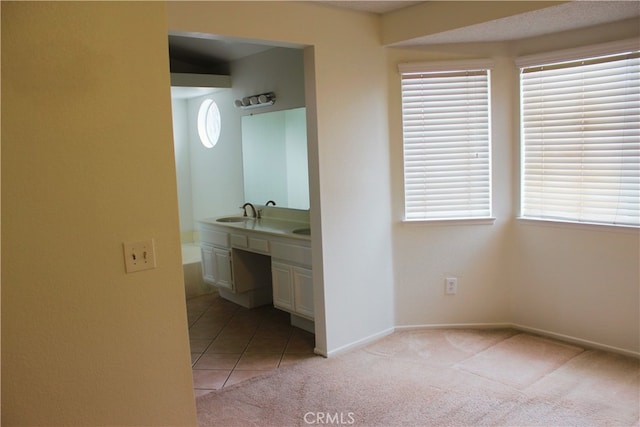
<point x="451" y="285"/>
<point x="139" y="256"/>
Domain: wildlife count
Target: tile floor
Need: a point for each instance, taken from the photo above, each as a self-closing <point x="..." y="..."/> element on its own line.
<point x="230" y="343"/>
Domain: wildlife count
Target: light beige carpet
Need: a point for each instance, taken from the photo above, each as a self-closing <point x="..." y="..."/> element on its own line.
<point x="440" y="378"/>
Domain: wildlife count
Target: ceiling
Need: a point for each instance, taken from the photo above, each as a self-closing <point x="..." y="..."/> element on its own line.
<point x="563" y="17"/>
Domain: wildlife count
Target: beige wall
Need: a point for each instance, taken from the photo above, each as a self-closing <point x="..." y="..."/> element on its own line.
<point x="578" y="283"/>
<point x="87" y="164"/>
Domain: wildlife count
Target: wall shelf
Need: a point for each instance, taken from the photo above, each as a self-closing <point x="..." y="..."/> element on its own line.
<point x="200" y="80"/>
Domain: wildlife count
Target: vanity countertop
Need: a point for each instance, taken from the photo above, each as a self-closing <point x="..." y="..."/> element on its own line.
<point x="274" y="226"/>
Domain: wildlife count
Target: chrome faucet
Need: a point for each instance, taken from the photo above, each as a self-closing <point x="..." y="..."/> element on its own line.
<point x="253" y="208"/>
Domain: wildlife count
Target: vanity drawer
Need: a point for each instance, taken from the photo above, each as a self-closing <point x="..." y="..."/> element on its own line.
<point x="260" y="245"/>
<point x="239" y="241"/>
<point x="294" y="253"/>
<point x="254" y="244"/>
<point x="214" y="237"/>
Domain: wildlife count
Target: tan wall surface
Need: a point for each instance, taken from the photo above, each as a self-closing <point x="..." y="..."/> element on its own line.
<point x="87" y="164"/>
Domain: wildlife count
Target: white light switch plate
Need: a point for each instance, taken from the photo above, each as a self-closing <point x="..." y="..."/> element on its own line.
<point x="139" y="255"/>
<point x="451" y="285"/>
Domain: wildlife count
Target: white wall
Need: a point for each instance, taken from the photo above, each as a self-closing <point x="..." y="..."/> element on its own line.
<point x="580" y="282"/>
<point x="279" y="70"/>
<point x="182" y="152"/>
<point x="216" y="173"/>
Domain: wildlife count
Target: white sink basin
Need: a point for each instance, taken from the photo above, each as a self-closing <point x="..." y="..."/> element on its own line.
<point x="233" y="219"/>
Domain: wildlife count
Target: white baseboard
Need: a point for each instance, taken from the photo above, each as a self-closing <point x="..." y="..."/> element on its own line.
<point x="360" y="342"/>
<point x="560" y="337"/>
<point x="454" y="326"/>
<point x="579" y="341"/>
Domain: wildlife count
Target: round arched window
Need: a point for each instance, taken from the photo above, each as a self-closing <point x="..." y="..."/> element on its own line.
<point x="209" y="123"/>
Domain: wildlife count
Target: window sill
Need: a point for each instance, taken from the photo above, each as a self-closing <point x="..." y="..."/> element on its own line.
<point x="578" y="225"/>
<point x="450" y="222"/>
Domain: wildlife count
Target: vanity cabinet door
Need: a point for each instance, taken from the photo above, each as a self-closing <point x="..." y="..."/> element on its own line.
<point x="292" y="289"/>
<point x="222" y="268"/>
<point x="303" y="291"/>
<point x="282" y="286"/>
<point x="216" y="266"/>
<point x="208" y="264"/>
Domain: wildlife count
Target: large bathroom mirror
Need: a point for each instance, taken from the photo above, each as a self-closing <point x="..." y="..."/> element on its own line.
<point x="274" y="158"/>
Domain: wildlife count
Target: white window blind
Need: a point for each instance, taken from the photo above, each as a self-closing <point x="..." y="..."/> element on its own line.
<point x="581" y="140"/>
<point x="446" y="140"/>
